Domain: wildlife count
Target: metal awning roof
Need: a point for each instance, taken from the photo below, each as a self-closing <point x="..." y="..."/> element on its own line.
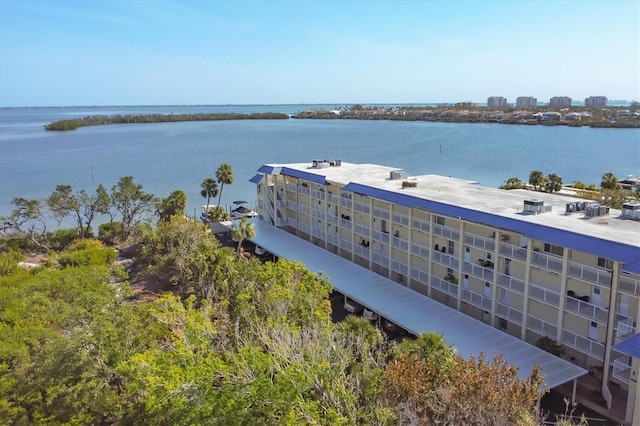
<point x="631" y="346"/>
<point x="414" y="312"/>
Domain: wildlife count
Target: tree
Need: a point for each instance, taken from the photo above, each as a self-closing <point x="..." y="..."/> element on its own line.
<point x="224" y="174"/>
<point x="130" y="201"/>
<point x="536" y="178"/>
<point x="609" y="181"/>
<point x="512" y="183"/>
<point x="171" y="206"/>
<point x="26" y="212"/>
<point x="209" y="189"/>
<point x="243" y="231"/>
<point x="553" y="183"/>
<point x="62" y="202"/>
<point x="217" y="214"/>
<point x="92" y="204"/>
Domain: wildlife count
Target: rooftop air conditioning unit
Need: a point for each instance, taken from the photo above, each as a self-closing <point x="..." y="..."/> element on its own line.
<point x="398" y="174"/>
<point x="534" y="206"/>
<point x="631" y="210"/>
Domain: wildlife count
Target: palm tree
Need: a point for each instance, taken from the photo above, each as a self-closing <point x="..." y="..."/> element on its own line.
<point x="536" y="178"/>
<point x="244" y="231"/>
<point x="217" y="214"/>
<point x="224" y="174"/>
<point x="553" y="183"/>
<point x="178" y="201"/>
<point x="428" y="346"/>
<point x="209" y="189"/>
<point x="609" y="181"/>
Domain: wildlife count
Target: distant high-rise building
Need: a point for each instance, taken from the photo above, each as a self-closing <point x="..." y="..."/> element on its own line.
<point x="496" y="102"/>
<point x="595" y="101"/>
<point x="560" y="101"/>
<point x="526" y="102"/>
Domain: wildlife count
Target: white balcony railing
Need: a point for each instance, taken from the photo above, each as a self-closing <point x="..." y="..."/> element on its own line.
<point x="622" y="368"/>
<point x="547" y="261"/>
<point x="509" y="313"/>
<point x="380" y="236"/>
<point x="476" y="299"/>
<point x="400" y="243"/>
<point x="401" y="219"/>
<point x="317" y="214"/>
<point x="629" y="285"/>
<point x="381" y="213"/>
<point x="541" y="326"/>
<point x="332" y="199"/>
<point x="444" y="286"/>
<point x="487" y="244"/>
<point x="420" y="224"/>
<point x="420" y="250"/>
<point x="544" y="295"/>
<point x="479" y="271"/>
<point x="445" y="259"/>
<point x="625" y="329"/>
<point x="511" y="283"/>
<point x="345" y="244"/>
<point x="420" y="275"/>
<point x="346" y="224"/>
<point x="400" y="267"/>
<point x="590" y="274"/>
<point x="446" y="232"/>
<point x="361" y="229"/>
<point x="583" y="344"/>
<point x="346" y="202"/>
<point x="361" y="251"/>
<point x="361" y="207"/>
<point x="380" y="259"/>
<point x="513" y="252"/>
<point x="586" y="309"/>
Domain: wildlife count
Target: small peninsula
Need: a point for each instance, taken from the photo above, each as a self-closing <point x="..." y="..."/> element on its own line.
<point x="97" y="120"/>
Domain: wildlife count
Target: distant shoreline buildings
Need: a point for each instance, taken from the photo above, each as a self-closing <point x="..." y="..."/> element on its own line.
<point x="556" y="101"/>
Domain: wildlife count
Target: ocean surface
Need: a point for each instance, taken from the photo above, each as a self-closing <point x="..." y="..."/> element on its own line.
<point x="168" y="156"/>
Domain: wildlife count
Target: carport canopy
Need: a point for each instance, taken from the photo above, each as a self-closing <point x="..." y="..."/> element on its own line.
<point x="413" y="311"/>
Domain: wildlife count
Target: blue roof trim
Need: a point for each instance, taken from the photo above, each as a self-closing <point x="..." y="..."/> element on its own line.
<point x="256" y="179"/>
<point x="631" y="346"/>
<point x="312" y="177"/>
<point x="628" y="255"/>
<point x="270" y="170"/>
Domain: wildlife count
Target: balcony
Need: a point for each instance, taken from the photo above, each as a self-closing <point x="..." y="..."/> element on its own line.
<point x="513" y="252"/>
<point x="583" y="344"/>
<point x="383" y="237"/>
<point x="361" y="229"/>
<point x="590" y="274"/>
<point x="332" y="199"/>
<point x="380" y="259"/>
<point x="625" y="329"/>
<point x="622" y="368"/>
<point x="420" y="250"/>
<point x="547" y="261"/>
<point x="317" y="214"/>
<point x="317" y="194"/>
<point x="487" y="244"/>
<point x="304" y="209"/>
<point x="629" y="285"/>
<point x="586" y="309"/>
<point x="304" y="227"/>
<point x="478" y="271"/>
<point x="333" y="239"/>
<point x="446" y="232"/>
<point x="318" y="233"/>
<point x="509" y="313"/>
<point x="346" y="202"/>
<point x="445" y="259"/>
<point x="544" y="295"/>
<point x="345" y="244"/>
<point x="400" y="243"/>
<point x="507" y="281"/>
<point x="361" y="251"/>
<point x="303" y="190"/>
<point x="420" y="224"/>
<point x="420" y="275"/>
<point x="541" y="326"/>
<point x="444" y="286"/>
<point x="476" y="299"/>
<point x="401" y="268"/>
<point x="292" y="205"/>
<point x="332" y="219"/>
<point x="361" y="207"/>
<point x="401" y="219"/>
<point x="381" y="213"/>
<point x="346" y="224"/>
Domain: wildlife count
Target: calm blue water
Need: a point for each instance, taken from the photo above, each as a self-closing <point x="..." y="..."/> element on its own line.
<point x="167" y="156"/>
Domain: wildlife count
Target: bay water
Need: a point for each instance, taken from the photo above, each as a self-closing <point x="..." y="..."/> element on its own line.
<point x="168" y="156"/>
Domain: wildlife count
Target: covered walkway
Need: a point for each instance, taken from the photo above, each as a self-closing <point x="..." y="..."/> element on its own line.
<point x="413" y="311"/>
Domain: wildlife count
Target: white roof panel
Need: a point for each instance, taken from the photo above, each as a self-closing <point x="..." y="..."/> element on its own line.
<point x="414" y="312"/>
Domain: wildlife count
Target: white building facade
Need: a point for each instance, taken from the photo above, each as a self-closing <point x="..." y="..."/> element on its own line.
<point x="530" y="264"/>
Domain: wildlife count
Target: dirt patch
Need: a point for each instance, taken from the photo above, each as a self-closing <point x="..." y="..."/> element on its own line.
<point x="146" y="290"/>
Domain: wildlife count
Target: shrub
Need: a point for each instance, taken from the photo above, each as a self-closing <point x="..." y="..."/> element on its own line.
<point x="9" y="262"/>
<point x="87" y="252"/>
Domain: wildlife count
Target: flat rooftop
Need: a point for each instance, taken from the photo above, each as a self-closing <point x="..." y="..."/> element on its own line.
<point x="473" y="196"/>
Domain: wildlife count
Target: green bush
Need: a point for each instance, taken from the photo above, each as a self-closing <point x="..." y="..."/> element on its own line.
<point x="87" y="252"/>
<point x="9" y="262"/>
<point x="109" y="232"/>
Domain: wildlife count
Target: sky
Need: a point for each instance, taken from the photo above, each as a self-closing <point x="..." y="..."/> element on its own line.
<point x="144" y="52"/>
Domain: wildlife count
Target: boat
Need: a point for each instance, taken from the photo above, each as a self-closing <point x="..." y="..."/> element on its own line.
<point x="241" y="210"/>
<point x="204" y="217"/>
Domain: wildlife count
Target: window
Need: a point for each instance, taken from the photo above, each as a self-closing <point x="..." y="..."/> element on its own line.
<point x="550" y="248"/>
<point x="605" y="263"/>
<point x="451" y="247"/>
<point x="503" y="323"/>
<point x="440" y="220"/>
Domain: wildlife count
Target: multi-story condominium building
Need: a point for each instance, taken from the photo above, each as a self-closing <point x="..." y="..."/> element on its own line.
<point x="560" y="101"/>
<point x="531" y="265"/>
<point x="596" y="101"/>
<point x="526" y="102"/>
<point x="496" y="102"/>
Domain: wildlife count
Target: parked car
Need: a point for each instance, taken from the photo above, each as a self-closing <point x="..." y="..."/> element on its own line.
<point x="352" y="307"/>
<point x="259" y="251"/>
<point x="370" y="315"/>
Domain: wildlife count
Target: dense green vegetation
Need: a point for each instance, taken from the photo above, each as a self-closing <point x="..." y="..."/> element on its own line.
<point x="96" y="120"/>
<point x="609" y="193"/>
